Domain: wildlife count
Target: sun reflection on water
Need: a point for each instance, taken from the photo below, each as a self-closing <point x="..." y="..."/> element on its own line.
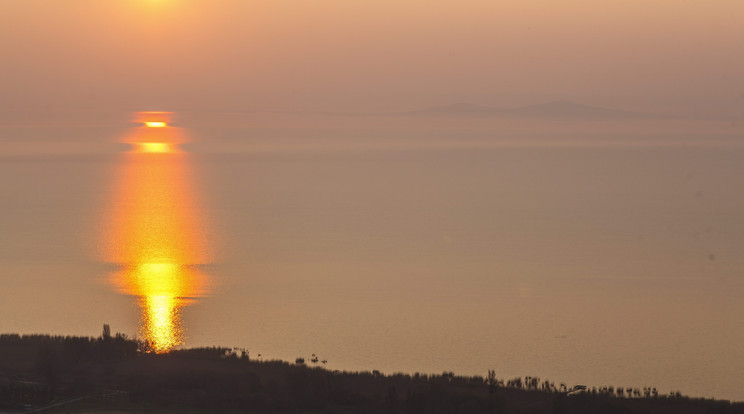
<point x="156" y="233"/>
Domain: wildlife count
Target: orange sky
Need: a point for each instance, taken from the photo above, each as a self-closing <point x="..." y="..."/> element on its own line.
<point x="381" y="55"/>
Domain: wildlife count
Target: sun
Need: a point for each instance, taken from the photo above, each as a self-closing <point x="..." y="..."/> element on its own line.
<point x="155" y="147"/>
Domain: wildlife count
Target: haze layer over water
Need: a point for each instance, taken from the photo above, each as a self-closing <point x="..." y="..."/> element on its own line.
<point x="598" y="256"/>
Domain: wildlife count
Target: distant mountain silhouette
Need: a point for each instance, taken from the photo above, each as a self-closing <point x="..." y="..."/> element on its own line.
<point x="555" y="109"/>
<point x="565" y="109"/>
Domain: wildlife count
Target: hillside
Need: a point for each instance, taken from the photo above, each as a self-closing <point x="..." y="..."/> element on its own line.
<point x="115" y="374"/>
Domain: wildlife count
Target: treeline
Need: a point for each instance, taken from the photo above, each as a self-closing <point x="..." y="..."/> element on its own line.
<point x="116" y="371"/>
<point x="38" y="369"/>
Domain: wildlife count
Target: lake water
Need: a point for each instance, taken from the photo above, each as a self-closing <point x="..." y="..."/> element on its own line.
<point x="574" y="254"/>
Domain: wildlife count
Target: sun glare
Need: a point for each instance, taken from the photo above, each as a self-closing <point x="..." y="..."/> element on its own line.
<point x="160" y="326"/>
<point x="156" y="234"/>
<point x="163" y="289"/>
<point x="155" y="124"/>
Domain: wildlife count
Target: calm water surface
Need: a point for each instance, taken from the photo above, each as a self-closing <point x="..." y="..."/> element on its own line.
<point x="602" y="264"/>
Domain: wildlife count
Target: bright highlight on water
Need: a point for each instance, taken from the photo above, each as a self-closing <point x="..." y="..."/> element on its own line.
<point x="156" y="235"/>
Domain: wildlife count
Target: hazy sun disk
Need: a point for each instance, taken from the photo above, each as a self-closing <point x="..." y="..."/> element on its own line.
<point x="155" y="147"/>
<point x="153" y="119"/>
<point x="155" y="234"/>
<point x="155" y="135"/>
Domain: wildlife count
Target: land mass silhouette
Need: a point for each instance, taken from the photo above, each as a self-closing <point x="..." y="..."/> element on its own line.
<point x="113" y="373"/>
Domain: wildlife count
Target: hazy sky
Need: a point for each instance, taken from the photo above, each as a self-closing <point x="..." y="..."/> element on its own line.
<point x="370" y="55"/>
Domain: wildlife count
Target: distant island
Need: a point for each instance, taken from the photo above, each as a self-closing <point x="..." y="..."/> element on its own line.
<point x="554" y="109"/>
<point x="112" y="373"/>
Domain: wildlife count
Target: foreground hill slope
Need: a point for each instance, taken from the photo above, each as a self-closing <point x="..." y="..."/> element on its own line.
<point x="116" y="374"/>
